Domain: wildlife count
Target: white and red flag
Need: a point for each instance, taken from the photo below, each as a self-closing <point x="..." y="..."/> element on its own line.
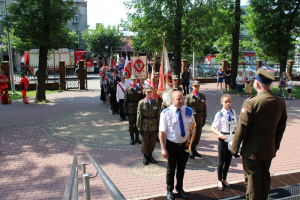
<point x="165" y="86"/>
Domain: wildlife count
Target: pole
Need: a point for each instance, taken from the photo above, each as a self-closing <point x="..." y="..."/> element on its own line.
<point x="10" y="61"/>
<point x="194" y="63"/>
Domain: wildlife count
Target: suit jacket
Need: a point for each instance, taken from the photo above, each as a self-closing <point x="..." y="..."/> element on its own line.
<point x="261" y="126"/>
<point x="112" y="86"/>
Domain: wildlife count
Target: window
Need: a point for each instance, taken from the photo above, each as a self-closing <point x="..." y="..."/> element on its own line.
<point x="2" y="13"/>
<point x="75" y="19"/>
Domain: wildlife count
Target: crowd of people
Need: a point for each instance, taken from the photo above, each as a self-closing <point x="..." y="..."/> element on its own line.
<point x="148" y="117"/>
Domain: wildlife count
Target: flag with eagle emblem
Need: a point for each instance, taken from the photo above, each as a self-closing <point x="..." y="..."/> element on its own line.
<point x="139" y="66"/>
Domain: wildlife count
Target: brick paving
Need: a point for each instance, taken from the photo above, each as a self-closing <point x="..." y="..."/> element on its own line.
<point x="39" y="141"/>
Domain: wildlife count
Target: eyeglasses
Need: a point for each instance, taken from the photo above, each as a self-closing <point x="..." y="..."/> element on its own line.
<point x="122" y="78"/>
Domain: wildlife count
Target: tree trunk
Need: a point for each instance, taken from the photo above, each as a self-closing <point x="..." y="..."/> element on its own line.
<point x="235" y="45"/>
<point x="283" y="64"/>
<point x="178" y="40"/>
<point x="41" y="85"/>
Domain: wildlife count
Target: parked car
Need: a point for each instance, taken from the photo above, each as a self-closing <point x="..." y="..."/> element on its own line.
<point x="246" y="70"/>
<point x="208" y="72"/>
<point x="269" y="69"/>
<point x="198" y="70"/>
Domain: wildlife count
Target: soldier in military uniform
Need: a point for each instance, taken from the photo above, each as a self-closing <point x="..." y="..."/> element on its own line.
<point x="148" y="113"/>
<point x="133" y="95"/>
<point x="197" y="102"/>
<point x="260" y="127"/>
<point x="112" y="91"/>
<point x="175" y="83"/>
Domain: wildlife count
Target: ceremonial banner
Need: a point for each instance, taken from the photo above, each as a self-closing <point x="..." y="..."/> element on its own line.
<point x="165" y="87"/>
<point x="127" y="69"/>
<point x="153" y="84"/>
<point x="139" y="66"/>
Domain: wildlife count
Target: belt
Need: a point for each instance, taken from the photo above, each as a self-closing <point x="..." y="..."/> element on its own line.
<point x="133" y="101"/>
<point x="178" y="144"/>
<point x="224" y="133"/>
<point x="146" y="117"/>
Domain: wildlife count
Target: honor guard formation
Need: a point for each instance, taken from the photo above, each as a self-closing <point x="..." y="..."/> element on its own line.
<point x="256" y="135"/>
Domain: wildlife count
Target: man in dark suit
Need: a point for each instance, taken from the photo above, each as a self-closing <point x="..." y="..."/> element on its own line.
<point x="112" y="91"/>
<point x="261" y="126"/>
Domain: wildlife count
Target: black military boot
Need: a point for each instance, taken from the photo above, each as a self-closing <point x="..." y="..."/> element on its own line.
<point x="151" y="159"/>
<point x="137" y="140"/>
<point x="145" y="160"/>
<point x="195" y="153"/>
<point x="132" y="139"/>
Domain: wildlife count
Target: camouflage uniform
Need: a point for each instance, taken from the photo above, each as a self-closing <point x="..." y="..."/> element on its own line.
<point x="147" y="121"/>
<point x="199" y="111"/>
<point x="131" y="101"/>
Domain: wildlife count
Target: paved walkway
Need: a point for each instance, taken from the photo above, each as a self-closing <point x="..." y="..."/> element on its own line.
<point x="39" y="141"/>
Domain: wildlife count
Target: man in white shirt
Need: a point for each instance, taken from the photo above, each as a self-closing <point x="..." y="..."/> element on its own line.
<point x="175" y="122"/>
<point x="147" y="81"/>
<point x="121" y="88"/>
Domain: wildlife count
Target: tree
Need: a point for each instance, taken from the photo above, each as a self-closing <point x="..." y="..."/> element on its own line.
<point x="40" y="24"/>
<point x="17" y="45"/>
<point x="96" y="40"/>
<point x="186" y="24"/>
<point x="274" y="25"/>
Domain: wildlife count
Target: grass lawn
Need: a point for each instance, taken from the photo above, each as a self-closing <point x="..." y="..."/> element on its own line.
<point x="275" y="90"/>
<point x="30" y="93"/>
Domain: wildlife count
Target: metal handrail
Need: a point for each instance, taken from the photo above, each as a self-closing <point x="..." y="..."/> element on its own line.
<point x="112" y="189"/>
<point x="69" y="189"/>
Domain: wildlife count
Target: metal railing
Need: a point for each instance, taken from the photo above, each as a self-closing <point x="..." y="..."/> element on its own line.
<point x="72" y="186"/>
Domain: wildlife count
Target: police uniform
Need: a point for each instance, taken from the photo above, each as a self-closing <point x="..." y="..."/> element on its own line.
<point x="148" y="113"/>
<point x="224" y="155"/>
<point x="170" y="120"/>
<point x="260" y="127"/>
<point x="112" y="91"/>
<point x="198" y="104"/>
<point x="133" y="95"/>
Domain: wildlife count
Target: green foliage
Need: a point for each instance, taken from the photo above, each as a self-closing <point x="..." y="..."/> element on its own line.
<point x="273" y="25"/>
<point x="40" y="24"/>
<point x="96" y="40"/>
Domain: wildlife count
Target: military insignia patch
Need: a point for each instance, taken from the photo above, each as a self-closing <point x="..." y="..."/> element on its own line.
<point x="243" y="110"/>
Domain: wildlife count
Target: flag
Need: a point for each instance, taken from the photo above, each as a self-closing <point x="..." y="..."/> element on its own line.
<point x="153" y="84"/>
<point x="127" y="69"/>
<point x="165" y="87"/>
<point x="139" y="66"/>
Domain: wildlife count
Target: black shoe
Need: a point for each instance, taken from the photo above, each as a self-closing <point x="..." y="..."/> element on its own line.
<point x="145" y="160"/>
<point x="117" y="112"/>
<point x="170" y="195"/>
<point x="112" y="112"/>
<point x="195" y="153"/>
<point x="157" y="139"/>
<point x="182" y="193"/>
<point x="151" y="159"/>
<point x="132" y="139"/>
<point x="228" y="186"/>
<point x="192" y="155"/>
<point x="137" y="140"/>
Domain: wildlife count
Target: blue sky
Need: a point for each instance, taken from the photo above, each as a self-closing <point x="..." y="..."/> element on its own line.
<point x="109" y="12"/>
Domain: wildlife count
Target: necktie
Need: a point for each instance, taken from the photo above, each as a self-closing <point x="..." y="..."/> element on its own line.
<point x="181" y="123"/>
<point x="229" y="119"/>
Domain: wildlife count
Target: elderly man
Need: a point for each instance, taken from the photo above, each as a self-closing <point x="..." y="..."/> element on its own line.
<point x="112" y="91"/>
<point x="174" y="126"/>
<point x="260" y="127"/>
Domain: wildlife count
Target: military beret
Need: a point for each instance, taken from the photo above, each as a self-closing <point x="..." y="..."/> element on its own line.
<point x="134" y="77"/>
<point x="148" y="88"/>
<point x="196" y="83"/>
<point x="175" y="77"/>
<point x="264" y="76"/>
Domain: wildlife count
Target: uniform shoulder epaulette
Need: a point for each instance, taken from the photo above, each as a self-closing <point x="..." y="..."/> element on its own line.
<point x="251" y="97"/>
<point x="220" y="113"/>
<point x="188" y="111"/>
<point x="165" y="110"/>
